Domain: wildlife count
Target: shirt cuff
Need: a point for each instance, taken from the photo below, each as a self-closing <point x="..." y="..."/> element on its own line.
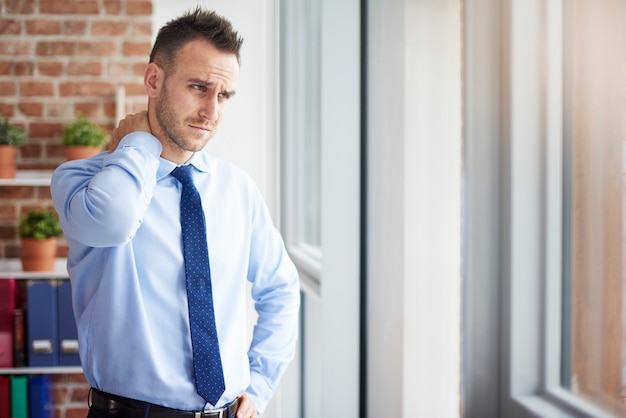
<point x="259" y="392"/>
<point x="143" y="140"/>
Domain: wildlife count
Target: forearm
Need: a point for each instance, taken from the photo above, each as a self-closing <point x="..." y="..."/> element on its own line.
<point x="275" y="333"/>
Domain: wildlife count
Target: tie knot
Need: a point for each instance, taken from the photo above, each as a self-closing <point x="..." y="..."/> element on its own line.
<point x="183" y="174"/>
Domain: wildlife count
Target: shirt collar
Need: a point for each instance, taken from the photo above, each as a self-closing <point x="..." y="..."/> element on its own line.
<point x="200" y="160"/>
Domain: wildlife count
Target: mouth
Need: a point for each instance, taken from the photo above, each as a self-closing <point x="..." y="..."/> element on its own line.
<point x="201" y="128"/>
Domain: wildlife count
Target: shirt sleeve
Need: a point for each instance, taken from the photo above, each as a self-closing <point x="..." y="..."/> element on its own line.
<point x="101" y="200"/>
<point x="276" y="294"/>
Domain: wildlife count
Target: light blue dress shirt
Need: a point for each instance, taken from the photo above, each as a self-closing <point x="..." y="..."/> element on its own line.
<point x="120" y="214"/>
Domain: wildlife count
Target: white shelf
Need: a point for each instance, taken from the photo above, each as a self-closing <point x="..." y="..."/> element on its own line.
<point x="12" y="268"/>
<point x="29" y="178"/>
<point x="41" y="370"/>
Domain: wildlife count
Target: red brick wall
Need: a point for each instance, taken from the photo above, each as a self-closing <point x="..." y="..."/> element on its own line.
<point x="70" y="392"/>
<point x="60" y="59"/>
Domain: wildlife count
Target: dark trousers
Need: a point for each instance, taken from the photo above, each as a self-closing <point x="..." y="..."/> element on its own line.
<point x="104" y="405"/>
<point x="94" y="413"/>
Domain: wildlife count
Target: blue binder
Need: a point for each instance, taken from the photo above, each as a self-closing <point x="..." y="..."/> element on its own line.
<point x="42" y="329"/>
<point x="40" y="397"/>
<point x="68" y="335"/>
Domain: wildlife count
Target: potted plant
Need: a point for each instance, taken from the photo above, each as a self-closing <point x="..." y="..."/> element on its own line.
<point x="11" y="137"/>
<point x="82" y="138"/>
<point x="38" y="230"/>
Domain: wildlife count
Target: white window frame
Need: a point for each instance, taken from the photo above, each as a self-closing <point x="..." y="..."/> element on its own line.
<point x="524" y="283"/>
<point x="330" y="274"/>
<point x="295" y="125"/>
<point x="414" y="140"/>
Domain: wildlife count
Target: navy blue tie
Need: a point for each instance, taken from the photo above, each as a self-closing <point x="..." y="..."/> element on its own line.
<point x="207" y="361"/>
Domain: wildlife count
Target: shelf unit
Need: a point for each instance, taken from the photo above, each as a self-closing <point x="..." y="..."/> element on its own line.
<point x="29" y="178"/>
<point x="12" y="268"/>
<point x="41" y="370"/>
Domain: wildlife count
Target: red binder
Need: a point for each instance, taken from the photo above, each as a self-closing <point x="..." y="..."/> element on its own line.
<point x="5" y="397"/>
<point x="8" y="298"/>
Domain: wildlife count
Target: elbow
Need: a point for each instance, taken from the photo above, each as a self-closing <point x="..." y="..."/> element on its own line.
<point x="96" y="210"/>
<point x="97" y="231"/>
<point x="100" y="225"/>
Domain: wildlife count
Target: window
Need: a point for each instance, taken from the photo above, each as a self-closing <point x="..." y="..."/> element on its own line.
<point x="300" y="134"/>
<point x="544" y="321"/>
<point x="300" y="66"/>
<point x="320" y="168"/>
<point x="594" y="348"/>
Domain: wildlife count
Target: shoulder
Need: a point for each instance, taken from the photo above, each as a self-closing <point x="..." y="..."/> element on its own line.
<point x="224" y="170"/>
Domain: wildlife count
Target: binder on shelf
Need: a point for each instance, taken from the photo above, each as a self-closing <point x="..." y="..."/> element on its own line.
<point x="19" y="397"/>
<point x="41" y="319"/>
<point x="19" y="338"/>
<point x="5" y="397"/>
<point x="8" y="298"/>
<point x="40" y="397"/>
<point x="68" y="334"/>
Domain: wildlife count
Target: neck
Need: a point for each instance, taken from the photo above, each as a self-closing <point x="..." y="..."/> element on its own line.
<point x="170" y="150"/>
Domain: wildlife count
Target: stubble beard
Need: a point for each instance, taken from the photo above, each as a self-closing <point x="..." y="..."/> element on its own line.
<point x="168" y="121"/>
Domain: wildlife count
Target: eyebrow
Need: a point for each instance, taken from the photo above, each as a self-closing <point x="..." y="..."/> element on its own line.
<point x="208" y="84"/>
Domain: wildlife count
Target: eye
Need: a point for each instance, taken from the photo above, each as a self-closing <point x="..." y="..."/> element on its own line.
<point x="224" y="95"/>
<point x="199" y="87"/>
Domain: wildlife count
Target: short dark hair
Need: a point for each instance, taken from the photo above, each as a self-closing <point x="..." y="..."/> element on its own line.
<point x="194" y="24"/>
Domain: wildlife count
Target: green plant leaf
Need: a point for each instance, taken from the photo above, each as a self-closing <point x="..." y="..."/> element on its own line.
<point x="11" y="134"/>
<point x="83" y="132"/>
<point x="40" y="224"/>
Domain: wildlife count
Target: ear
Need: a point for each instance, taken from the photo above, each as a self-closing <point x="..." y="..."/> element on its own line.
<point x="153" y="79"/>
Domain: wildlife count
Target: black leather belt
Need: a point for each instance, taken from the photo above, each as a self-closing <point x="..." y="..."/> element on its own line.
<point x="124" y="407"/>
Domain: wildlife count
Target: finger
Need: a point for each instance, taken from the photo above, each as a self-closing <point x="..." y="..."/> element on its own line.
<point x="131" y="123"/>
<point x="246" y="407"/>
<point x="117" y="135"/>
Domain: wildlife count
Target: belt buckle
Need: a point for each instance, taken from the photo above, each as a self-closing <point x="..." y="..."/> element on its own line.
<point x="220" y="413"/>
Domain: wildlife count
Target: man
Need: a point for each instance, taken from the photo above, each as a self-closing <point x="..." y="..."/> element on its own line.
<point x="124" y="215"/>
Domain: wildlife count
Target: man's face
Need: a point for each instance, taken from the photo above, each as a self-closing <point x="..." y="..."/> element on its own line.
<point x="193" y="96"/>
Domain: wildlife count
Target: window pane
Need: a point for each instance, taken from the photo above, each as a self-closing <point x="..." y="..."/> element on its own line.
<point x="300" y="119"/>
<point x="311" y="325"/>
<point x="594" y="364"/>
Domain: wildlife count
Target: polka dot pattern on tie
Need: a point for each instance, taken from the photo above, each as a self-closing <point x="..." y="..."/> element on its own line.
<point x="206" y="351"/>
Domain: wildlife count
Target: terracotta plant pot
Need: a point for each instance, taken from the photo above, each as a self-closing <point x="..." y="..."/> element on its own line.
<point x="8" y="155"/>
<point x="38" y="255"/>
<point x="79" y="152"/>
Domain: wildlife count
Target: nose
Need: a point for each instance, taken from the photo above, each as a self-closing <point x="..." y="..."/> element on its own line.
<point x="209" y="109"/>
